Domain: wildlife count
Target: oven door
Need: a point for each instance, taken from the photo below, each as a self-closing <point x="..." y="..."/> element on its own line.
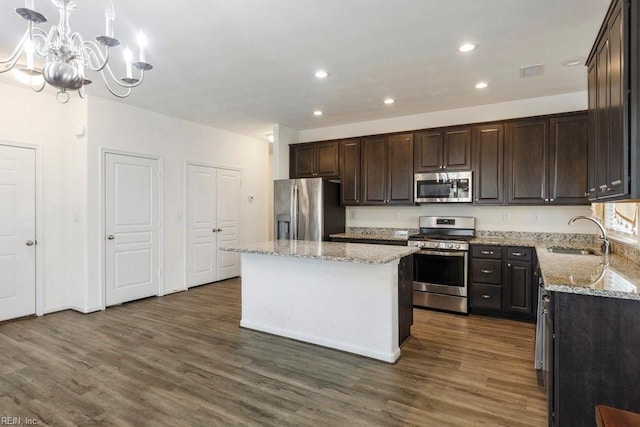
<point x="442" y="272"/>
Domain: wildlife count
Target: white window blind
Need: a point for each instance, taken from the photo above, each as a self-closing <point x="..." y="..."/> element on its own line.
<point x="621" y="218"/>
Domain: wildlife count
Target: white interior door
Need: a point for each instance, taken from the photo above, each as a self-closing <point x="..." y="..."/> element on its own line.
<point x="228" y="209"/>
<point x="17" y="232"/>
<point x="131" y="228"/>
<point x="201" y="225"/>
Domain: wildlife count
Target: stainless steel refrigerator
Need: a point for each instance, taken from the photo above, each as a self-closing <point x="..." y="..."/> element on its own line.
<point x="307" y="209"/>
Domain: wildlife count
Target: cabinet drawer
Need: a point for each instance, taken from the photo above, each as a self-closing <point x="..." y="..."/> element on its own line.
<point x="486" y="271"/>
<point x="486" y="296"/>
<point x="492" y="252"/>
<point x="520" y="254"/>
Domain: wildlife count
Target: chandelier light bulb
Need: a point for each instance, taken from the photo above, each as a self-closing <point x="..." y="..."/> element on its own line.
<point x="28" y="50"/>
<point x="110" y="16"/>
<point x="128" y="57"/>
<point x="142" y="44"/>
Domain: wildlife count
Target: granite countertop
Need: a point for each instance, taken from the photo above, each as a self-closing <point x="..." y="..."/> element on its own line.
<point x="380" y="235"/>
<point x="607" y="276"/>
<point x="612" y="276"/>
<point x="332" y="251"/>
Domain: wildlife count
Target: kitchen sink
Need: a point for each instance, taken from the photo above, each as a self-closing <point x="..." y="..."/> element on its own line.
<point x="570" y="251"/>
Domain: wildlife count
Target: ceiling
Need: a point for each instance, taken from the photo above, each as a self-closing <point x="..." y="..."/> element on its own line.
<point x="243" y="65"/>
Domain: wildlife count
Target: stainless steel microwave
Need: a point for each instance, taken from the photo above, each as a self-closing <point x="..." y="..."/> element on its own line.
<point x="443" y="187"/>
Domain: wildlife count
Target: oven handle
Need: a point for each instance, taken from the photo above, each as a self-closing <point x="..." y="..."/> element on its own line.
<point x="441" y="253"/>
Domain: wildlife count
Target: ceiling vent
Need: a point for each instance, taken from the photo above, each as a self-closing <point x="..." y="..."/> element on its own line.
<point x="532" y="70"/>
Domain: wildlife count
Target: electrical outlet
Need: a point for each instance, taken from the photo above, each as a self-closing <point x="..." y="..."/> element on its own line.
<point x="506" y="217"/>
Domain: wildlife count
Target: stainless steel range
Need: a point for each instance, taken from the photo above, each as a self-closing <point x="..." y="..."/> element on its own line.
<point x="440" y="268"/>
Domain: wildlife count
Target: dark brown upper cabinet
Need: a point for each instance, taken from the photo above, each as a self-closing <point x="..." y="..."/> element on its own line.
<point x="546" y="160"/>
<point x="350" y="173"/>
<point x="488" y="178"/>
<point x="614" y="115"/>
<point x="527" y="143"/>
<point x="314" y="160"/>
<point x="443" y="149"/>
<point x="387" y="172"/>
<point x="568" y="160"/>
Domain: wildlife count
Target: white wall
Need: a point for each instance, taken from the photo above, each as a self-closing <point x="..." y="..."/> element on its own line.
<point x="117" y="126"/>
<point x="283" y="136"/>
<point x="37" y="119"/>
<point x="507" y="218"/>
<point x="69" y="138"/>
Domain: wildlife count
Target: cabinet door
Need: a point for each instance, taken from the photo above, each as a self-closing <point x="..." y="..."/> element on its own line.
<point x="568" y="164"/>
<point x="303" y="161"/>
<point x="400" y="169"/>
<point x="527" y="161"/>
<point x="374" y="170"/>
<point x="618" y="136"/>
<point x="327" y="163"/>
<point x="603" y="111"/>
<point x="593" y="131"/>
<point x="488" y="143"/>
<point x="350" y="172"/>
<point x="457" y="148"/>
<point x="517" y="288"/>
<point x="428" y="151"/>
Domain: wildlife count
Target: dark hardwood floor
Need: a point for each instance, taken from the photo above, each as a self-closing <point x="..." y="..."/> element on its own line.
<point x="182" y="360"/>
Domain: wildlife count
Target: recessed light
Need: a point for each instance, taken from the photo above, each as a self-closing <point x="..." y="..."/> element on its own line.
<point x="481" y="85"/>
<point x="572" y="62"/>
<point x="467" y="47"/>
<point x="321" y="74"/>
<point x="389" y="101"/>
<point x="317" y="113"/>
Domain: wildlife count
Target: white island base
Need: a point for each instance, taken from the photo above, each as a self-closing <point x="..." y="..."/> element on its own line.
<point x="348" y="306"/>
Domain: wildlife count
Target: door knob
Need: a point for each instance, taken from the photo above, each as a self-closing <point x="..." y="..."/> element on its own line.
<point x="110" y="237"/>
<point x="215" y="230"/>
<point x="30" y="243"/>
<point x="219" y="229"/>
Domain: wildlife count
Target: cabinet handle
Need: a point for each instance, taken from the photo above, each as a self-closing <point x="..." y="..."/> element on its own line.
<point x="485" y="296"/>
<point x="477" y="199"/>
<point x="603" y="187"/>
<point x="444" y="167"/>
<point x="587" y="194"/>
<point x="551" y="200"/>
<point x="441" y="167"/>
<point x="486" y="271"/>
<point x="486" y="252"/>
<point x="509" y="265"/>
<point x="517" y="254"/>
<point x="617" y="182"/>
<point x="546" y="200"/>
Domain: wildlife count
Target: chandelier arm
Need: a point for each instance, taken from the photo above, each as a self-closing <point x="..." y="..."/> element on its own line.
<point x="107" y="68"/>
<point x="40" y="89"/>
<point x="45" y="39"/>
<point x="13" y="58"/>
<point x="91" y="48"/>
<point x="106" y="83"/>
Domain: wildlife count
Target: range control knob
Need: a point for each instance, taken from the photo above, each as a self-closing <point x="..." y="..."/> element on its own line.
<point x="453" y="246"/>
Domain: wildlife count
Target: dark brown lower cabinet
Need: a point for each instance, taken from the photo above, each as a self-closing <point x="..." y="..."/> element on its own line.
<point x="595" y="344"/>
<point x="405" y="298"/>
<point x="502" y="281"/>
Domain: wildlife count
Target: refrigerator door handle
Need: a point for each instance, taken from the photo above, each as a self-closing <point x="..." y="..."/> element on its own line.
<point x="295" y="213"/>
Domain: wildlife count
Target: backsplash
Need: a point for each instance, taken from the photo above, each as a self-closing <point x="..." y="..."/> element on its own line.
<point x="542" y="237"/>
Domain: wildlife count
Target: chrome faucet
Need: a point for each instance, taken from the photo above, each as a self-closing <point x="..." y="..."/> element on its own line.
<point x="603" y="237"/>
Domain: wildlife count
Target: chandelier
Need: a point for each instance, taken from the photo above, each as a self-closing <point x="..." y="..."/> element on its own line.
<point x="67" y="54"/>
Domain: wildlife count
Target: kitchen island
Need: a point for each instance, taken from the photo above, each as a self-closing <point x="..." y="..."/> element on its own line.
<point x="350" y="297"/>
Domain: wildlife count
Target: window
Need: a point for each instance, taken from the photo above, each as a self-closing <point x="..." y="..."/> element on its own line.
<point x="620" y="219"/>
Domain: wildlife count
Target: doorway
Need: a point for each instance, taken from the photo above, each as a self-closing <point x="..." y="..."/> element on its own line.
<point x="213" y="221"/>
<point x="132" y="227"/>
<point x="17" y="232"/>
